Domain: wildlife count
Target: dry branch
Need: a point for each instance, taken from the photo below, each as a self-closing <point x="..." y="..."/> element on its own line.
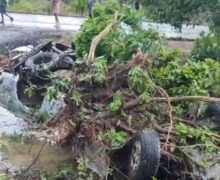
<point x="162" y="91"/>
<point x="189" y="98"/>
<point x="138" y="101"/>
<point x="99" y="37"/>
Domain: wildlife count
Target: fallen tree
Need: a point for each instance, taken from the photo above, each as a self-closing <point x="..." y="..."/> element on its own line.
<point x="129" y="82"/>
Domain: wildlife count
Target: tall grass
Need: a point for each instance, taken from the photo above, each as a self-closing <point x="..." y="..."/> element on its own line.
<point x="30" y="6"/>
<point x="40" y="7"/>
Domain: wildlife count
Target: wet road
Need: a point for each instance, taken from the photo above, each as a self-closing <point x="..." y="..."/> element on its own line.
<point x="74" y="23"/>
<point x="12" y="36"/>
<point x="46" y="21"/>
<point x="29" y="29"/>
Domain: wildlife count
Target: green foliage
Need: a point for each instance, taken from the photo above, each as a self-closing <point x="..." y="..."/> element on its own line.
<point x="80" y="6"/>
<point x="200" y="135"/>
<point x="132" y="17"/>
<point x="206" y="47"/>
<point x="65" y="173"/>
<point x="91" y="28"/>
<point x="62" y="84"/>
<point x="59" y="85"/>
<point x="29" y="6"/>
<point x="30" y="90"/>
<point x="178" y="111"/>
<point x="77" y="98"/>
<point x="41" y="117"/>
<point x="4" y="176"/>
<point x="189" y="78"/>
<point x="154" y="178"/>
<point x="4" y="146"/>
<point x="117" y="102"/>
<point x="124" y="40"/>
<point x="51" y="93"/>
<point x="179" y="12"/>
<point x="145" y="97"/>
<point x="68" y="7"/>
<point x="139" y="80"/>
<point x="124" y="45"/>
<point x="99" y="69"/>
<point x="83" y="171"/>
<point x="114" y="139"/>
<point x="165" y="56"/>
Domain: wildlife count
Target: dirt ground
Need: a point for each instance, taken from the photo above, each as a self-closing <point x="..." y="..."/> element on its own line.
<point x="186" y="45"/>
<point x="4" y="62"/>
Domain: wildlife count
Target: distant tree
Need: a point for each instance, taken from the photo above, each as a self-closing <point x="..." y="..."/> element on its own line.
<point x="179" y="12"/>
<point x="80" y="6"/>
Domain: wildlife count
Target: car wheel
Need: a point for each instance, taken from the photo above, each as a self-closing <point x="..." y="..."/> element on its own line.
<point x="144" y="156"/>
<point x="42" y="62"/>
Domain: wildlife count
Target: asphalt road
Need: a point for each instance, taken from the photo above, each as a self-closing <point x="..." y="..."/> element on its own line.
<point x="46" y="21"/>
<point x="74" y="23"/>
<point x="29" y="29"/>
<point x="12" y="36"/>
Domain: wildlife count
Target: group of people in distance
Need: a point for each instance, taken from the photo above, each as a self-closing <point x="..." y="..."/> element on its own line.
<point x="55" y="9"/>
<point x="3" y="11"/>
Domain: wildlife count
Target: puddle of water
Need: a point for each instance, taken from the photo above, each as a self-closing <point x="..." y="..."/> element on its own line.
<point x="21" y="155"/>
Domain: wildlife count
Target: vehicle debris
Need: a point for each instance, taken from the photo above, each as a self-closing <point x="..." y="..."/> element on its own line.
<point x="33" y="66"/>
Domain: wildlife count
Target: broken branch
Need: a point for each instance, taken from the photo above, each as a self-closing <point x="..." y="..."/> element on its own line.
<point x="99" y="37"/>
<point x="138" y="101"/>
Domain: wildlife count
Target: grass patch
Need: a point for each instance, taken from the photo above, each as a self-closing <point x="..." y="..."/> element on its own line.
<point x="30" y="6"/>
<point x="40" y="7"/>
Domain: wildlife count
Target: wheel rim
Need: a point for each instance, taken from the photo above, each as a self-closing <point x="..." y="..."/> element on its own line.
<point x="135" y="155"/>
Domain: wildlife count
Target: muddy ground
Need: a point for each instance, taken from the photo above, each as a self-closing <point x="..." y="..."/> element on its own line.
<point x="185" y="45"/>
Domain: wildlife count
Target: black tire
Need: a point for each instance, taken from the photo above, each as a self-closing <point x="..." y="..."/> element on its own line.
<point x="146" y="165"/>
<point x="42" y="62"/>
<point x="213" y="110"/>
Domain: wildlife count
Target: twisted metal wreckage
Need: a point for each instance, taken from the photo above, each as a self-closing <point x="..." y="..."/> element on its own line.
<point x="145" y="153"/>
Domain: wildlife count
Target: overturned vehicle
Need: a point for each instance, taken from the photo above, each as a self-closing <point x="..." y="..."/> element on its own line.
<point x="28" y="89"/>
<point x="32" y="73"/>
<point x="35" y="83"/>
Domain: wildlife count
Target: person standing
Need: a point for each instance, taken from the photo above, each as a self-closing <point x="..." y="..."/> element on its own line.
<point x="3" y="11"/>
<point x="137" y="4"/>
<point x="90" y="5"/>
<point x="56" y="11"/>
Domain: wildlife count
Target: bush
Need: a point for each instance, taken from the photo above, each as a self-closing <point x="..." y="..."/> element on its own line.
<point x="171" y="70"/>
<point x="206" y="47"/>
<point x="189" y="78"/>
<point x="80" y="6"/>
<point x="124" y="40"/>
